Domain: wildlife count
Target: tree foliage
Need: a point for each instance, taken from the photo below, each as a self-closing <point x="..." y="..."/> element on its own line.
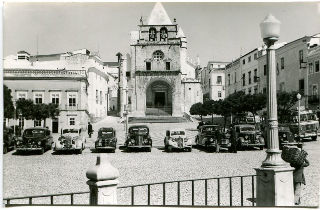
<point x="25" y="108"/>
<point x="285" y="102"/>
<point x="198" y="109"/>
<point x="8" y="108"/>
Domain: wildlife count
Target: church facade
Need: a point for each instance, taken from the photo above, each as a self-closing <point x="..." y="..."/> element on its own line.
<point x="161" y="79"/>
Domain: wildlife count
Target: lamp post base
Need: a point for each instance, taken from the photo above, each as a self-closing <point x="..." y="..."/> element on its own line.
<point x="275" y="187"/>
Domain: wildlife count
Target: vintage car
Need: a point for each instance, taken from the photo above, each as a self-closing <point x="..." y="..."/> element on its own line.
<point x="71" y="139"/>
<point x="177" y="139"/>
<point x="212" y="137"/>
<point x="8" y="140"/>
<point x="286" y="137"/>
<point x="106" y="139"/>
<point x="138" y="138"/>
<point x="246" y="136"/>
<point x="35" y="139"/>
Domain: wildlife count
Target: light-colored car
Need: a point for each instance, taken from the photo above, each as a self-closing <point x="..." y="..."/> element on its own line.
<point x="177" y="139"/>
<point x="71" y="139"/>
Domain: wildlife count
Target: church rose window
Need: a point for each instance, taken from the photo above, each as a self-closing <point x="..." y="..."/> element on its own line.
<point x="158" y="55"/>
<point x="163" y="34"/>
<point x="152" y="34"/>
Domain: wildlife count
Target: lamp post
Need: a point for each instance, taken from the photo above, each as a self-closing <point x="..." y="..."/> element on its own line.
<point x="299" y="98"/>
<point x="274" y="177"/>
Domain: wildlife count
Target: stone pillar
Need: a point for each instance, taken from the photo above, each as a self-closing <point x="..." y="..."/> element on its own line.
<point x="274" y="177"/>
<point x="102" y="182"/>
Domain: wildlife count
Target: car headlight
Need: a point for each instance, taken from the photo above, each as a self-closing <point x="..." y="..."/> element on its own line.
<point x="172" y="140"/>
<point x="246" y="137"/>
<point x="132" y="141"/>
<point x="204" y="139"/>
<point x="211" y="139"/>
<point x="39" y="143"/>
<point x="295" y="135"/>
<point x="186" y="140"/>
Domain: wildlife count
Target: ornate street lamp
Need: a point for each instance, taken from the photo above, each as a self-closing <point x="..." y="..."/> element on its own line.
<point x="274" y="177"/>
<point x="299" y="98"/>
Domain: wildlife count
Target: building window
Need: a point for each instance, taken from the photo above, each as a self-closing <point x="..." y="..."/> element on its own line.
<point x="163" y="34"/>
<point x="37" y="123"/>
<point x="228" y="79"/>
<point x="219" y="79"/>
<point x="264" y="69"/>
<point x="277" y="69"/>
<point x="282" y="63"/>
<point x="148" y="65"/>
<point x="38" y="98"/>
<point x="97" y="96"/>
<point x="310" y="68"/>
<point x="209" y="82"/>
<point x="316" y="66"/>
<point x="243" y="61"/>
<point x="249" y="59"/>
<point x="21" y="94"/>
<point x="255" y="90"/>
<point x="314" y="90"/>
<point x="219" y="94"/>
<point x="255" y="56"/>
<point x="167" y="65"/>
<point x="55" y="98"/>
<point x="249" y="77"/>
<point x="235" y="77"/>
<point x="158" y="55"/>
<point x="72" y="121"/>
<point x="301" y="86"/>
<point x="300" y="56"/>
<point x="72" y="99"/>
<point x="101" y="98"/>
<point x="21" y="122"/>
<point x="152" y="34"/>
<point x="255" y="76"/>
<point x="243" y="79"/>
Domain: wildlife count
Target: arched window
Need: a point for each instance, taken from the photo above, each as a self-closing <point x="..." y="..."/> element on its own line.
<point x="158" y="55"/>
<point x="152" y="34"/>
<point x="163" y="34"/>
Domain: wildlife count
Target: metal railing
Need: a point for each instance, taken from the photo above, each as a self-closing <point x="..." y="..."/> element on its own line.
<point x="218" y="191"/>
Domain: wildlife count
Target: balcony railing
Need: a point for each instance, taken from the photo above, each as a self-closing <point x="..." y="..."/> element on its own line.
<point x="72" y="107"/>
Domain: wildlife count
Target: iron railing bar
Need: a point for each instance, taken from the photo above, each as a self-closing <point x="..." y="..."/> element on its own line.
<point x="206" y="192"/>
<point x="164" y="194"/>
<point x="8" y="201"/>
<point x="30" y="201"/>
<point x="42" y="196"/>
<point x="241" y="186"/>
<point x="71" y="198"/>
<point x="51" y="200"/>
<point x="178" y="193"/>
<point x="218" y="191"/>
<point x="148" y="195"/>
<point x="132" y="195"/>
<point x="192" y="192"/>
<point x="230" y="190"/>
<point x="252" y="181"/>
<point x="186" y="180"/>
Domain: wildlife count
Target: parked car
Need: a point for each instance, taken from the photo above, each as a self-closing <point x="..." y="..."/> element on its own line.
<point x="71" y="139"/>
<point x="106" y="140"/>
<point x="286" y="137"/>
<point x="212" y="137"/>
<point x="138" y="138"/>
<point x="35" y="139"/>
<point x="8" y="140"/>
<point x="177" y="139"/>
<point x="246" y="136"/>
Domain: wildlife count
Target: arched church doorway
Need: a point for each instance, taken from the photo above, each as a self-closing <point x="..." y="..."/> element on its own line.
<point x="159" y="99"/>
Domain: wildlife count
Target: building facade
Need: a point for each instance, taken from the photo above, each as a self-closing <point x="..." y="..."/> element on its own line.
<point x="213" y="80"/>
<point x="313" y="59"/>
<point x="160" y="77"/>
<point x="77" y="81"/>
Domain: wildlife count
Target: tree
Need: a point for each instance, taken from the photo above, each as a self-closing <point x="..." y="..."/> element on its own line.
<point x="53" y="110"/>
<point x="40" y="112"/>
<point x="8" y="108"/>
<point x="209" y="106"/>
<point x="255" y="103"/>
<point x="285" y="102"/>
<point x="197" y="109"/>
<point x="25" y="107"/>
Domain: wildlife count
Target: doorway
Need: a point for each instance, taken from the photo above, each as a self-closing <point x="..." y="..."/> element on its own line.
<point x="160" y="98"/>
<point x="55" y="126"/>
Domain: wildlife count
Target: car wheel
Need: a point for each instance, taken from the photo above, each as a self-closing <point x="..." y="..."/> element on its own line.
<point x="239" y="145"/>
<point x="79" y="151"/>
<point x="261" y="147"/>
<point x="217" y="148"/>
<point x="190" y="149"/>
<point x="113" y="151"/>
<point x="41" y="151"/>
<point x="314" y="138"/>
<point x="5" y="149"/>
<point x="149" y="149"/>
<point x="128" y="149"/>
<point x="169" y="148"/>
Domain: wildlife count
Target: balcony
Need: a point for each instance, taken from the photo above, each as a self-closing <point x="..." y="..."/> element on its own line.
<point x="72" y="107"/>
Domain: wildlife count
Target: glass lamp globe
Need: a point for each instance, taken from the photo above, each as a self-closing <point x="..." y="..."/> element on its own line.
<point x="298" y="96"/>
<point x="270" y="27"/>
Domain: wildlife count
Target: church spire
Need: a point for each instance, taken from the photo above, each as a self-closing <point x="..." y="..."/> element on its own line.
<point x="159" y="16"/>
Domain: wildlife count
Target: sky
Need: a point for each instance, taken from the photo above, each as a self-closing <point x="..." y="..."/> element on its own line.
<point x="215" y="31"/>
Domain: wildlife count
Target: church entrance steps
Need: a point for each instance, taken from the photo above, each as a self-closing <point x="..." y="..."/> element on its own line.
<point x="158" y="119"/>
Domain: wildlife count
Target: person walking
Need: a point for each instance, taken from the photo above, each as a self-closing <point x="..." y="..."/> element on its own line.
<point x="298" y="180"/>
<point x="90" y="131"/>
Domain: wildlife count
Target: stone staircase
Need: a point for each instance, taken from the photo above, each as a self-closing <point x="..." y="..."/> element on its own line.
<point x="157" y="119"/>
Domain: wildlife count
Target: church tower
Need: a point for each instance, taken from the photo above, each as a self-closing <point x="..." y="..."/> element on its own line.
<point x="159" y="65"/>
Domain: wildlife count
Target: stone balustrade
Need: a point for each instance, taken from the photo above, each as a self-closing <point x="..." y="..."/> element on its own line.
<point x="7" y="73"/>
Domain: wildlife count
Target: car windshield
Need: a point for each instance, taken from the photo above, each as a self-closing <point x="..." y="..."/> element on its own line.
<point x="174" y="133"/>
<point x="35" y="132"/>
<point x="312" y="116"/>
<point x="70" y="131"/>
<point x="247" y="129"/>
<point x="211" y="128"/>
<point x="140" y="130"/>
<point x="106" y="133"/>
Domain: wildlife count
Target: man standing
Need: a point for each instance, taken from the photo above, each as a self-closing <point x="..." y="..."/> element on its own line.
<point x="90" y="131"/>
<point x="298" y="180"/>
